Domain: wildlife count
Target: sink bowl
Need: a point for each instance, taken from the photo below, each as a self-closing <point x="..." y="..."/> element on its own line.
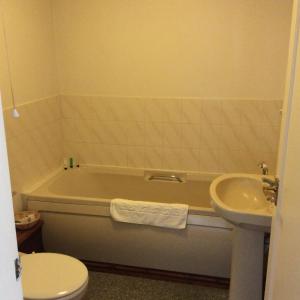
<point x="239" y="198"/>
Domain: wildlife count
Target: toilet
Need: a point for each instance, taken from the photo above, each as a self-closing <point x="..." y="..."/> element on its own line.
<point x="53" y="276"/>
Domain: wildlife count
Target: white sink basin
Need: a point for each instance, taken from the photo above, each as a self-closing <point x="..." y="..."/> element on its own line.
<point x="239" y="198"/>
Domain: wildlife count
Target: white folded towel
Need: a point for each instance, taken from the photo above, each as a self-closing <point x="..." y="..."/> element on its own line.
<point x="149" y="213"/>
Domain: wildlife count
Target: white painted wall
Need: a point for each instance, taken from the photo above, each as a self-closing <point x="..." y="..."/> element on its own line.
<point x="179" y="48"/>
<point x="31" y="53"/>
<point x="30" y="50"/>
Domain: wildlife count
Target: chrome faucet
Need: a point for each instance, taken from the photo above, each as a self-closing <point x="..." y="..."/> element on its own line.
<point x="270" y="188"/>
<point x="272" y="185"/>
<point x="264" y="168"/>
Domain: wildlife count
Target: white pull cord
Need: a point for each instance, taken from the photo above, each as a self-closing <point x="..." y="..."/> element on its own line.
<point x="15" y="112"/>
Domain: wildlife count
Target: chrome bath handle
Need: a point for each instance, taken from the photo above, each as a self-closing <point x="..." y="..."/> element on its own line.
<point x="172" y="178"/>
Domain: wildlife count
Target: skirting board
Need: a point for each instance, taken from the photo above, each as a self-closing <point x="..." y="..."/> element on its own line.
<point x="158" y="274"/>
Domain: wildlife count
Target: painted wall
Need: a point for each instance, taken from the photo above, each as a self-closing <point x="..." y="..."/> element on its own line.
<point x="30" y="50"/>
<point x="34" y="141"/>
<point x="208" y="75"/>
<point x="172" y="48"/>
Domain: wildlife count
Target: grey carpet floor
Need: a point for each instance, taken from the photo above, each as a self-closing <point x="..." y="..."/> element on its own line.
<point x="105" y="286"/>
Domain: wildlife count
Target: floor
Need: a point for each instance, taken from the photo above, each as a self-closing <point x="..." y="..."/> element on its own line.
<point x="105" y="286"/>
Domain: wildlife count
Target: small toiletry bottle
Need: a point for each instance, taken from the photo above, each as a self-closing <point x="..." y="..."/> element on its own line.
<point x="65" y="164"/>
<point x="71" y="162"/>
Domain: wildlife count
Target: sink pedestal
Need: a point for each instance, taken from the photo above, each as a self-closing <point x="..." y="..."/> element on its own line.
<point x="247" y="265"/>
<point x="240" y="199"/>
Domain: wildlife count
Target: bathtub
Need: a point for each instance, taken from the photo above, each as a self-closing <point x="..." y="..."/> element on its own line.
<point x="74" y="205"/>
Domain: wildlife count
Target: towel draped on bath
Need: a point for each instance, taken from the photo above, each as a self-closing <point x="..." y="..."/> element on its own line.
<point x="149" y="213"/>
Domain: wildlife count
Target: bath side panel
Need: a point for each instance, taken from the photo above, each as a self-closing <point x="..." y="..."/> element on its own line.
<point x="197" y="249"/>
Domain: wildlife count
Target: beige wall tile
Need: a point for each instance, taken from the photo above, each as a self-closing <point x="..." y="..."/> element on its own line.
<point x="172" y="135"/>
<point x="191" y="135"/>
<point x="178" y="134"/>
<point x="136" y="157"/>
<point x="135" y="132"/>
<point x="154" y="110"/>
<point x="154" y="134"/>
<point x="153" y="158"/>
<point x="173" y="158"/>
<point x="212" y="112"/>
<point x="188" y="134"/>
<point x="191" y="110"/>
<point x="190" y="159"/>
<point x="35" y="142"/>
<point x="210" y="161"/>
<point x="113" y="155"/>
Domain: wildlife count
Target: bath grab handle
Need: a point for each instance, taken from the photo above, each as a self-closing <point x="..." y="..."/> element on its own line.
<point x="172" y="178"/>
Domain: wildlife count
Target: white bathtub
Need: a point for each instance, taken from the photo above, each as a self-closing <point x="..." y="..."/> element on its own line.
<point x="75" y="208"/>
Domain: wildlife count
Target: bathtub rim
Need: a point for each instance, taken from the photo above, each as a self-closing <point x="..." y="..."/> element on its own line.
<point x="43" y="205"/>
<point x="190" y="175"/>
<point x="47" y="197"/>
<point x="195" y="210"/>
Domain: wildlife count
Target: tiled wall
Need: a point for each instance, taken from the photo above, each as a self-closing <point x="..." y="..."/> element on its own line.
<point x="34" y="141"/>
<point x="213" y="135"/>
<point x="183" y="134"/>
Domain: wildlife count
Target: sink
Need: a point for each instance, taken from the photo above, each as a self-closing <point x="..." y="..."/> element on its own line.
<point x="239" y="198"/>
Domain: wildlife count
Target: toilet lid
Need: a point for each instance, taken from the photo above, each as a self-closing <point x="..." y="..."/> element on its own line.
<point x="51" y="275"/>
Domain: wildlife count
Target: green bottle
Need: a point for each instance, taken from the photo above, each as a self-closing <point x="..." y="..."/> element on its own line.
<point x="71" y="162"/>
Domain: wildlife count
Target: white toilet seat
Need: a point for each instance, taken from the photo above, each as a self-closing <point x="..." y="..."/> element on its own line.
<point x="53" y="276"/>
<point x="77" y="295"/>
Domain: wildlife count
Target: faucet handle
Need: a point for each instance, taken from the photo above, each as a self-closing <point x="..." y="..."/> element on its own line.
<point x="271" y="186"/>
<point x="272" y="182"/>
<point x="264" y="167"/>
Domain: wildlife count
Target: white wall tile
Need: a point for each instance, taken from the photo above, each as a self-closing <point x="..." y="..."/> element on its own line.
<point x="184" y="134"/>
<point x="173" y="158"/>
<point x="212" y="112"/>
<point x="231" y="112"/>
<point x="154" y="133"/>
<point x="154" y="110"/>
<point x="191" y="135"/>
<point x="191" y="110"/>
<point x="153" y="158"/>
<point x="252" y="112"/>
<point x="271" y="113"/>
<point x="190" y="159"/>
<point x="135" y="132"/>
<point x="113" y="133"/>
<point x="210" y="136"/>
<point x="172" y="110"/>
<point x="230" y="138"/>
<point x="210" y="161"/>
<point x="113" y="155"/>
<point x="35" y="141"/>
<point x="172" y="135"/>
<point x="201" y="133"/>
<point x="136" y="157"/>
